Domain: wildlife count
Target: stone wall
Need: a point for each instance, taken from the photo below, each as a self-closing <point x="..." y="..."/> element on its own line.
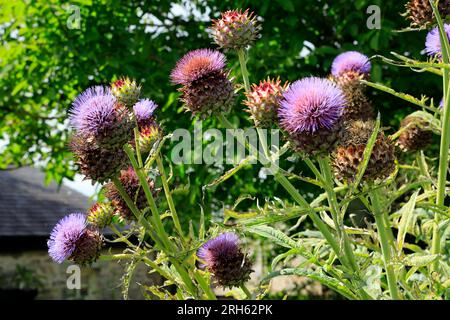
<point x="100" y="281"/>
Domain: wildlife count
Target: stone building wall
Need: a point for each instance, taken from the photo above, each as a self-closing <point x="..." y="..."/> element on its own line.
<point x="100" y="281"/>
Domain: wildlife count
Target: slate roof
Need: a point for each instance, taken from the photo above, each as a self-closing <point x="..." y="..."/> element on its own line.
<point x="28" y="208"/>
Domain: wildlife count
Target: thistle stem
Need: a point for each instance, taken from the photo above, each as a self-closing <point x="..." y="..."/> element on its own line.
<point x="335" y="212"/>
<point x="168" y="194"/>
<point x="246" y="291"/>
<point x="445" y="136"/>
<point x="151" y="202"/>
<point x="384" y="243"/>
<point x="243" y="63"/>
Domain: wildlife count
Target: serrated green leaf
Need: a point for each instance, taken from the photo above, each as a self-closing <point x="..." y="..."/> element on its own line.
<point x="407" y="212"/>
<point x="420" y="260"/>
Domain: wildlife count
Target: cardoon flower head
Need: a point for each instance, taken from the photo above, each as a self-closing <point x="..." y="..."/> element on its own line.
<point x="100" y="215"/>
<point x="351" y="65"/>
<point x="96" y="162"/>
<point x="349" y="154"/>
<point x="127" y="91"/>
<point x="263" y="101"/>
<point x="433" y="42"/>
<point x="93" y="110"/>
<point x="347" y="69"/>
<point x="417" y="134"/>
<point x="235" y="30"/>
<point x="310" y="105"/>
<point x="197" y="64"/>
<point x="72" y="239"/>
<point x="143" y="110"/>
<point x="130" y="182"/>
<point x="206" y="88"/>
<point x="421" y="13"/>
<point x="94" y="114"/>
<point x="148" y="135"/>
<point x="223" y="257"/>
<point x="310" y="114"/>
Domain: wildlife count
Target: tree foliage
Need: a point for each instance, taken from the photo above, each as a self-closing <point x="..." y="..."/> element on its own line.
<point x="45" y="62"/>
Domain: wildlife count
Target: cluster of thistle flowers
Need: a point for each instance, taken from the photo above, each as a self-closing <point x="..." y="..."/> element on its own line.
<point x="104" y="119"/>
<point x="318" y="115"/>
<point x="416" y="132"/>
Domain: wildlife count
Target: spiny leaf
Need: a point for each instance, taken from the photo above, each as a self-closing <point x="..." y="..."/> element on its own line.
<point x="405" y="222"/>
<point x="330" y="282"/>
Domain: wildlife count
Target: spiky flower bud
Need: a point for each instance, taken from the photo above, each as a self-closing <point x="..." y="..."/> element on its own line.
<point x="421" y="13"/>
<point x="94" y="114"/>
<point x="100" y="215"/>
<point x="96" y="162"/>
<point x="206" y="88"/>
<point x="126" y="91"/>
<point x="417" y="134"/>
<point x="148" y="136"/>
<point x="347" y="70"/>
<point x="223" y="257"/>
<point x="349" y="155"/>
<point x="433" y="45"/>
<point x="263" y="101"/>
<point x="310" y="114"/>
<point x="235" y="30"/>
<point x="130" y="182"/>
<point x="72" y="239"/>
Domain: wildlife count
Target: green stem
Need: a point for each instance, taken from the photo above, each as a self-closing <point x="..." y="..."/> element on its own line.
<point x="445" y="137"/>
<point x="137" y="146"/>
<point x="151" y="202"/>
<point x="243" y="63"/>
<point x="384" y="243"/>
<point x="205" y="286"/>
<point x="167" y="244"/>
<point x="168" y="194"/>
<point x="335" y="212"/>
<point x="246" y="291"/>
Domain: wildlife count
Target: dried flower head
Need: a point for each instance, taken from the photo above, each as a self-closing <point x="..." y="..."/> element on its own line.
<point x="130" y="182"/>
<point x="126" y="91"/>
<point x="349" y="155"/>
<point x="235" y="30"/>
<point x="100" y="215"/>
<point x="72" y="239"/>
<point x="224" y="258"/>
<point x="96" y="162"/>
<point x="206" y="88"/>
<point x="421" y="13"/>
<point x="433" y="42"/>
<point x="417" y="134"/>
<point x="310" y="114"/>
<point x="263" y="101"/>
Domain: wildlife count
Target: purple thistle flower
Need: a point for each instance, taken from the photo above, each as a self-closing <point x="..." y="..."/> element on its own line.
<point x="311" y="104"/>
<point x="224" y="259"/>
<point x="441" y="104"/>
<point x="351" y="61"/>
<point x="93" y="110"/>
<point x="65" y="236"/>
<point x="144" y="109"/>
<point x="224" y="244"/>
<point x="196" y="64"/>
<point x="433" y="41"/>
